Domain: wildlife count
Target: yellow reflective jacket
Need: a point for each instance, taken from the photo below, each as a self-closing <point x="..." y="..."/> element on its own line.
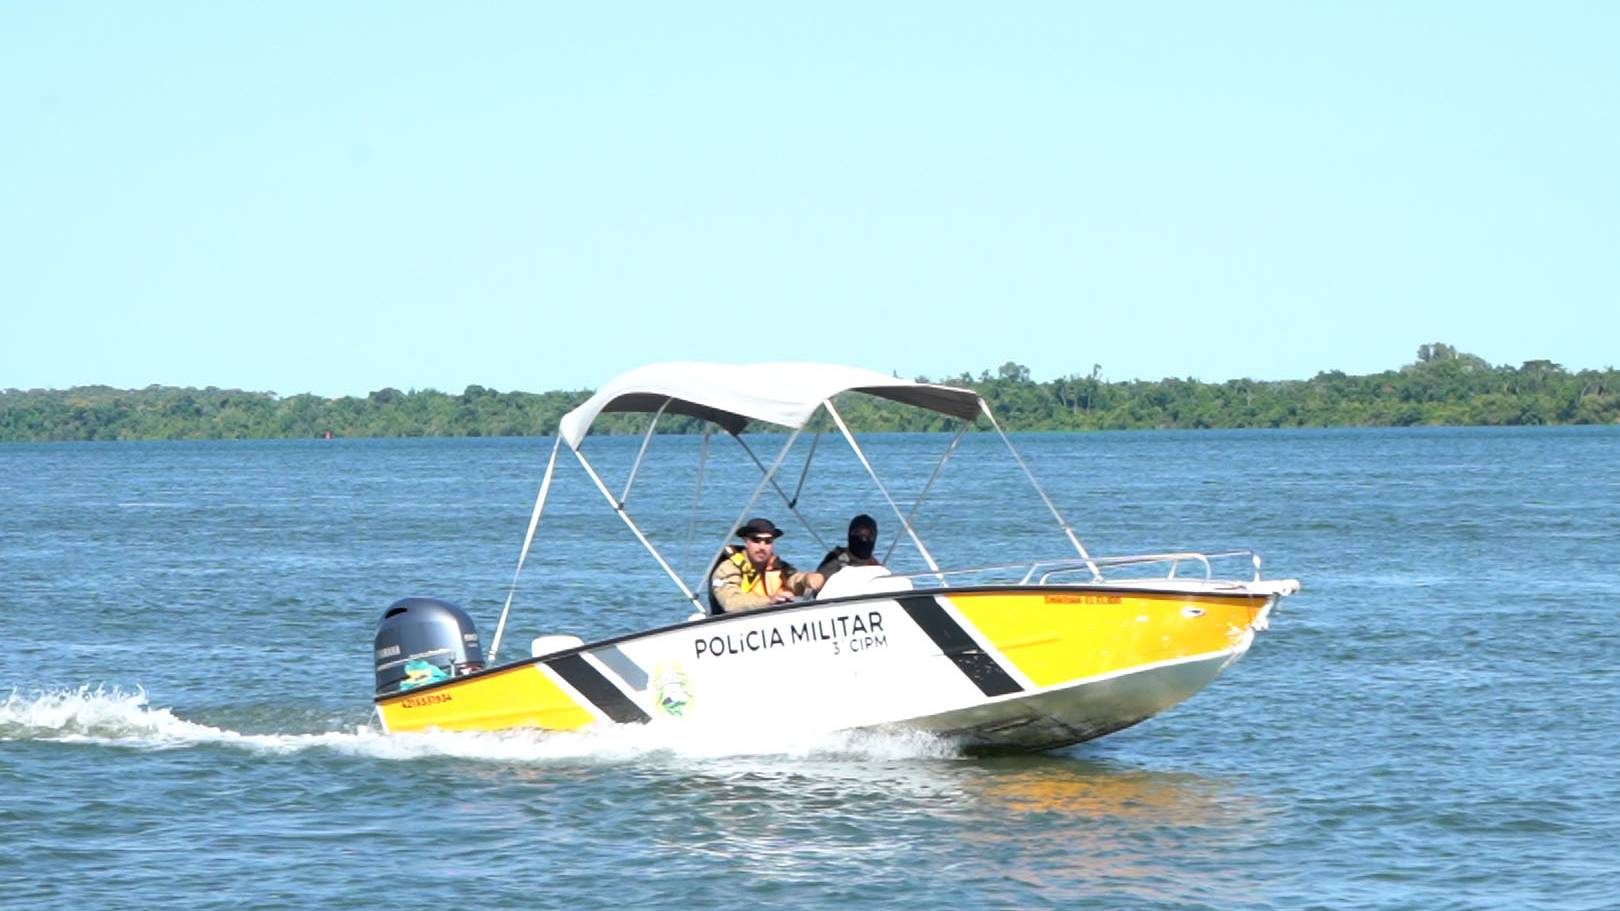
<point x="738" y="585"/>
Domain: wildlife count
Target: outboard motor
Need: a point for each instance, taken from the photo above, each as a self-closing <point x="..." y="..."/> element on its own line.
<point x="424" y="640"/>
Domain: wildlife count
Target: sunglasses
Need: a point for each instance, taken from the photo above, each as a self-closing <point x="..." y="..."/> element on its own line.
<point x="763" y="539"/>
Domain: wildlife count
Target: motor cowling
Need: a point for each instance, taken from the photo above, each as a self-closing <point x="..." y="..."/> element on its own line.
<point x="424" y="640"/>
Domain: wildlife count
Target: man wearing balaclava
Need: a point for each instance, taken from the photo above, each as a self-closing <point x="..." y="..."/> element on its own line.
<point x="862" y="541"/>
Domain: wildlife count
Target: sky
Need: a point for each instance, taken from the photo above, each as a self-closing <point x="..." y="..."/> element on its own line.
<point x="338" y="198"/>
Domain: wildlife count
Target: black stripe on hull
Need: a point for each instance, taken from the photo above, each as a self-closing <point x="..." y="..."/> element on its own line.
<point x="598" y="689"/>
<point x="957" y="645"/>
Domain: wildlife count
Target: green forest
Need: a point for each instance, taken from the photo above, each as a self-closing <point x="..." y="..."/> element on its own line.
<point x="1441" y="387"/>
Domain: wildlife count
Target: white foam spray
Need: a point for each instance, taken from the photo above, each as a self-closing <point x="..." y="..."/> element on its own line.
<point x="112" y="716"/>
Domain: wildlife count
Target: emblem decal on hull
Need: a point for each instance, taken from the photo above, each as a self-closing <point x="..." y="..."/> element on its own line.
<point x="672" y="691"/>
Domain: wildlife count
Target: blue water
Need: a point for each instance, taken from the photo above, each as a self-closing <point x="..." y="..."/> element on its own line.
<point x="185" y="716"/>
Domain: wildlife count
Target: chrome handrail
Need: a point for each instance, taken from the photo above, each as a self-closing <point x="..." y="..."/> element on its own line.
<point x="1096" y="569"/>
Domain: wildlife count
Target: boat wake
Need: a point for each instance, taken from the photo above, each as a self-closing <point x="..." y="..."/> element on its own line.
<point x="111" y="716"/>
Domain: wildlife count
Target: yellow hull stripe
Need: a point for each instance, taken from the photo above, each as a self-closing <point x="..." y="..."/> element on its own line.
<point x="521" y="697"/>
<point x="1058" y="637"/>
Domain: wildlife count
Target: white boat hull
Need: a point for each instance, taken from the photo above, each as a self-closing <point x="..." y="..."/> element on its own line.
<point x="1020" y="668"/>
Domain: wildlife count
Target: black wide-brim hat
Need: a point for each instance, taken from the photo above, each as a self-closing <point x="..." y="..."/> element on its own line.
<point x="759" y="527"/>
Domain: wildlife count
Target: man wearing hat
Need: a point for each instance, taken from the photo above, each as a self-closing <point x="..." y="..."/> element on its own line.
<point x="755" y="576"/>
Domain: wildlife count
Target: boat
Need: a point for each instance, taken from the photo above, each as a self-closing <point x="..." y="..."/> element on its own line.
<point x="1028" y="655"/>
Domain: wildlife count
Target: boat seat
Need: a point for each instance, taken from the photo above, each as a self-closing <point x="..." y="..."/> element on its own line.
<point x="726" y="553"/>
<point x="862" y="580"/>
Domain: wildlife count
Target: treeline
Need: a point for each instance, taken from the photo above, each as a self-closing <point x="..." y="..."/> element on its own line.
<point x="1443" y="386"/>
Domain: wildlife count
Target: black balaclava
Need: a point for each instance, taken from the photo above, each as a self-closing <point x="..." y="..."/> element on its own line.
<point x="862" y="536"/>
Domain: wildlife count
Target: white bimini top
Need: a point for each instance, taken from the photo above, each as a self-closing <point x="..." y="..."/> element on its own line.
<point x="734" y="395"/>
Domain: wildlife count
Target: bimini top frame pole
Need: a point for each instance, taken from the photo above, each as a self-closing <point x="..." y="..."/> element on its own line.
<point x="1079" y="548"/>
<point x="904" y="521"/>
<point x="732" y="396"/>
<point x="618" y="507"/>
<point x="528" y="540"/>
<point x="938" y="468"/>
<point x="697" y="494"/>
<point x="642" y="454"/>
<point x="791" y="502"/>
